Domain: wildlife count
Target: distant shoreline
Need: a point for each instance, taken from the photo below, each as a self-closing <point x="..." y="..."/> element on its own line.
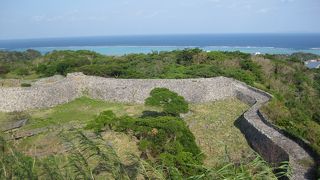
<point x="122" y="50"/>
<point x="120" y="45"/>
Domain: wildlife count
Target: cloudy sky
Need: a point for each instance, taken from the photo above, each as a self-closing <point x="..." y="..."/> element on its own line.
<point x="65" y="18"/>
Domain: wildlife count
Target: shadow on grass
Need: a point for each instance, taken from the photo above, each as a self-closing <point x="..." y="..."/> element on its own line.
<point x="146" y="114"/>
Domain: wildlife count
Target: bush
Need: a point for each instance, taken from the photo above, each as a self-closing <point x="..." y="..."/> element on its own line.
<point x="166" y="139"/>
<point x="104" y="118"/>
<point x="171" y="102"/>
<point x="15" y="164"/>
<point x="4" y="69"/>
<point x="18" y="115"/>
<point x="103" y="70"/>
<point x="22" y="71"/>
<point x="245" y="76"/>
<point x="25" y="85"/>
<point x="316" y="117"/>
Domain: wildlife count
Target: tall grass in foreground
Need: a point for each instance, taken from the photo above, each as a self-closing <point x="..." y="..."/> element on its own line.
<point x="255" y="169"/>
<point x="91" y="158"/>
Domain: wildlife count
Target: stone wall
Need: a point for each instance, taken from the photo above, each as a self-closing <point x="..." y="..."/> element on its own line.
<point x="269" y="143"/>
<point x="129" y="90"/>
<point x="40" y="96"/>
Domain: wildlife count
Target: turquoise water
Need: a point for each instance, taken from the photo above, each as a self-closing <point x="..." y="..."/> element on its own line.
<point x="119" y="45"/>
<point x="121" y="50"/>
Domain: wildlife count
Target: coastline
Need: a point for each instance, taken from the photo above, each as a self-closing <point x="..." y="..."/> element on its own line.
<point x="129" y="49"/>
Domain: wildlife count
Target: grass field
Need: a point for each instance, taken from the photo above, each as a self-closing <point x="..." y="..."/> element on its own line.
<point x="213" y="126"/>
<point x="80" y="111"/>
<point x="211" y="123"/>
<point x="66" y="116"/>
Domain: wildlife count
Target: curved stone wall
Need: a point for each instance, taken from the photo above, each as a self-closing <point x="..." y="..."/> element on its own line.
<point x="269" y="143"/>
<point x="273" y="146"/>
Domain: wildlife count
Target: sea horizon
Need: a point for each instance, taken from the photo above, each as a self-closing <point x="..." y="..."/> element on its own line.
<point x="265" y="43"/>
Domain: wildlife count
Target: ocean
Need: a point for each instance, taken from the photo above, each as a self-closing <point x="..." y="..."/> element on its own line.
<point x="120" y="45"/>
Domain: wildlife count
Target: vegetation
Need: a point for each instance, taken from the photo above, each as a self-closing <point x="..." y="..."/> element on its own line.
<point x="79" y="111"/>
<point x="296" y="89"/>
<point x="25" y="85"/>
<point x="170" y="102"/>
<point x="138" y="144"/>
<point x="92" y="159"/>
<point x="28" y="55"/>
<point x="213" y="127"/>
<point x="167" y="142"/>
<point x="165" y="139"/>
<point x="86" y="159"/>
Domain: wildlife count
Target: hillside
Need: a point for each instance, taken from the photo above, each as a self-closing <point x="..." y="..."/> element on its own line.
<point x="51" y="145"/>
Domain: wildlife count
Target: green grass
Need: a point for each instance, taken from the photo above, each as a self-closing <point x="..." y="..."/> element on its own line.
<point x="2" y="116"/>
<point x="73" y="114"/>
<point x="215" y="132"/>
<point x="211" y="123"/>
<point x="13" y="75"/>
<point x="80" y="111"/>
<point x="7" y="117"/>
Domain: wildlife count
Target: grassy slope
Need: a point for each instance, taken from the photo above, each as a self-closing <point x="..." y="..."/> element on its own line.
<point x="211" y="123"/>
<point x="213" y="127"/>
<point x="80" y="111"/>
<point x="73" y="114"/>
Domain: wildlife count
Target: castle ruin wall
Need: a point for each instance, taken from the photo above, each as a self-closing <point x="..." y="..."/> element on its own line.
<point x="273" y="146"/>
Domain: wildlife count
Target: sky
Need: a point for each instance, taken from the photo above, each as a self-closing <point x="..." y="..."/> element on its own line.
<point x="76" y="18"/>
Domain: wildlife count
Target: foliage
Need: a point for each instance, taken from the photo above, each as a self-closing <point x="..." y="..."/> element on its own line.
<point x="89" y="158"/>
<point x="254" y="169"/>
<point x="171" y="102"/>
<point x="22" y="71"/>
<point x="92" y="159"/>
<point x="165" y="138"/>
<point x="4" y="69"/>
<point x="11" y="56"/>
<point x="167" y="142"/>
<point x="78" y="111"/>
<point x="300" y="56"/>
<point x="296" y="89"/>
<point x="86" y="159"/>
<point x="104" y="118"/>
<point x="25" y="85"/>
<point x="15" y="164"/>
<point x="295" y="105"/>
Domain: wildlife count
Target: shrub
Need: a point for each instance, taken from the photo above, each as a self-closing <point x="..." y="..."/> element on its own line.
<point x="105" y="118"/>
<point x="4" y="69"/>
<point x="18" y="115"/>
<point x="22" y="71"/>
<point x="171" y="102"/>
<point x="316" y="117"/>
<point x="166" y="139"/>
<point x="25" y="85"/>
<point x="245" y="76"/>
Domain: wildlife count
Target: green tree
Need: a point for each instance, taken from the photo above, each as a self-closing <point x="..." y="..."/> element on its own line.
<point x="104" y="118"/>
<point x="22" y="71"/>
<point x="4" y="69"/>
<point x="171" y="102"/>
